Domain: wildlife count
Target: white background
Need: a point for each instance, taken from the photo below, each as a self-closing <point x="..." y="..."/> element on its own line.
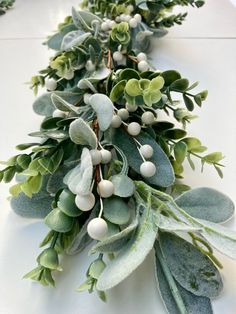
<point x="202" y="49"/>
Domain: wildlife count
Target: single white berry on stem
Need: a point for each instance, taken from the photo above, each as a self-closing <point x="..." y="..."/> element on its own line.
<point x="142" y="57"/>
<point x="90" y="66"/>
<point x="95" y="156"/>
<point x="105" y="26"/>
<point x="112" y="24"/>
<point x="51" y="84"/>
<point x="130" y="8"/>
<point x="106" y="156"/>
<point x="133" y="23"/>
<point x="85" y="202"/>
<point x="97" y="228"/>
<point x="117" y="56"/>
<point x="58" y="114"/>
<point x="116" y="122"/>
<point x="146" y="151"/>
<point x="134" y="128"/>
<point x="131" y="108"/>
<point x="138" y="17"/>
<point x="147" y="169"/>
<point x="105" y="188"/>
<point x="123" y="114"/>
<point x="148" y="118"/>
<point x="143" y="66"/>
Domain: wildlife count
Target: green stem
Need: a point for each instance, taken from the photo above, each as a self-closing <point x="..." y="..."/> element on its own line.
<point x="54" y="240"/>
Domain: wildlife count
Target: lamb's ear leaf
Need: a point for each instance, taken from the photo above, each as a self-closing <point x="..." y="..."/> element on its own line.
<point x="81" y="133"/>
<point x="117" y="241"/>
<point x="123" y="185"/>
<point x="73" y="38"/>
<point x="79" y="179"/>
<point x="43" y="105"/>
<point x="164" y="174"/>
<point x="221" y="238"/>
<point x="132" y="254"/>
<point x="206" y="203"/>
<point x="63" y="105"/>
<point x="103" y="107"/>
<point x="173" y="295"/>
<point x="190" y="267"/>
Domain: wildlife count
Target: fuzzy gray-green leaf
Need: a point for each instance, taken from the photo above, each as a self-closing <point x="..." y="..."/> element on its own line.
<point x="81" y="133"/>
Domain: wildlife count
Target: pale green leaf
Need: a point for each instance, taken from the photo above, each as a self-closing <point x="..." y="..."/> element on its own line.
<point x="81" y="133"/>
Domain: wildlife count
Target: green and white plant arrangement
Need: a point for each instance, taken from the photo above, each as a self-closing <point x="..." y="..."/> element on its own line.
<point x="5" y="5"/>
<point x="107" y="170"/>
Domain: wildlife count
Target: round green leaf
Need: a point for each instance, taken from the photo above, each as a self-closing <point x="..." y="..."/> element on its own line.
<point x="116" y="210"/>
<point x="66" y="204"/>
<point x="58" y="221"/>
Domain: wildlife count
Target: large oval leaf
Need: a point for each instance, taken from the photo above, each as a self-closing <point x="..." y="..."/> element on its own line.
<point x="132" y="255"/>
<point x="207" y="204"/>
<point x="190" y="267"/>
<point x="164" y="175"/>
<point x="81" y="133"/>
<point x="123" y="185"/>
<point x="116" y="210"/>
<point x="174" y="296"/>
<point x="73" y="38"/>
<point x="103" y="107"/>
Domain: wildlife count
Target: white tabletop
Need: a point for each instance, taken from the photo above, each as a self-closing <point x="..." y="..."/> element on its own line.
<point x="202" y="49"/>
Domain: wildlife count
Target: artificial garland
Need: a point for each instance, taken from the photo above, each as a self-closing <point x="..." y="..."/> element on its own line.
<point x="5" y="5"/>
<point x="108" y="169"/>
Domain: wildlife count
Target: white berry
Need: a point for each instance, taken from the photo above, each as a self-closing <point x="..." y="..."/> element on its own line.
<point x="85" y="202"/>
<point x="96" y="156"/>
<point x="97" y="228"/>
<point x="105" y="188"/>
<point x="58" y="114"/>
<point x="130" y="8"/>
<point x="105" y="26"/>
<point x="146" y="150"/>
<point x="86" y="98"/>
<point x="116" y="121"/>
<point x="112" y="24"/>
<point x="117" y="56"/>
<point x="142" y="57"/>
<point x="131" y="108"/>
<point x="147" y="169"/>
<point x="138" y="17"/>
<point x="148" y="118"/>
<point x="123" y="114"/>
<point x="122" y="17"/>
<point x="133" y="23"/>
<point x="90" y="66"/>
<point x="127" y="18"/>
<point x="134" y="128"/>
<point x="106" y="156"/>
<point x="69" y="75"/>
<point x="118" y="19"/>
<point x="143" y="66"/>
<point x="51" y="84"/>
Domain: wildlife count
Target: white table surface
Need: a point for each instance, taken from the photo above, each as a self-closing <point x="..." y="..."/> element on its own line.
<point x="202" y="49"/>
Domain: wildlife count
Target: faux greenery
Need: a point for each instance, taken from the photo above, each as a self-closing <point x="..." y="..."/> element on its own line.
<point x="5" y="5"/>
<point x="105" y="167"/>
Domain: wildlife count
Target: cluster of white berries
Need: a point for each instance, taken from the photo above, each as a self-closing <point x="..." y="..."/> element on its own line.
<point x="142" y="62"/>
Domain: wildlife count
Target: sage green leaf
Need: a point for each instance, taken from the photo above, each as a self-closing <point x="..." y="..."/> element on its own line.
<point x="180" y="151"/>
<point x="188" y="102"/>
<point x="53" y="134"/>
<point x="99" y="75"/>
<point x="176" y="298"/>
<point x="86" y="84"/>
<point x="132" y="88"/>
<point x="213" y="157"/>
<point x="38" y="206"/>
<point x="123" y="185"/>
<point x="170" y="76"/>
<point x="79" y="179"/>
<point x="221" y="238"/>
<point x="54" y="41"/>
<point x="82" y="239"/>
<point x="132" y="254"/>
<point x="116" y="210"/>
<point x="117" y="241"/>
<point x="23" y="161"/>
<point x="58" y="221"/>
<point x="193" y="270"/>
<point x="63" y="105"/>
<point x="43" y="105"/>
<point x="74" y="38"/>
<point x="207" y="204"/>
<point x="96" y="268"/>
<point x="192" y="143"/>
<point x="66" y="203"/>
<point x="81" y="133"/>
<point x="164" y="174"/>
<point x="117" y="91"/>
<point x="50" y="164"/>
<point x="180" y="85"/>
<point x="103" y="107"/>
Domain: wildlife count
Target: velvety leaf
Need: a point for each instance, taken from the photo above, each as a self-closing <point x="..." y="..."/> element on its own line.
<point x="123" y="185"/>
<point x="132" y="255"/>
<point x="103" y="107"/>
<point x="190" y="267"/>
<point x="73" y="38"/>
<point x="116" y="210"/>
<point x="79" y="179"/>
<point x="207" y="204"/>
<point x="43" y="105"/>
<point x="81" y="133"/>
<point x="176" y="298"/>
<point x="63" y="105"/>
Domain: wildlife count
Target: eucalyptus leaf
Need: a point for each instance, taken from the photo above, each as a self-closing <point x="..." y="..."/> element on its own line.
<point x="79" y="179"/>
<point x="193" y="270"/>
<point x="103" y="107"/>
<point x="58" y="221"/>
<point x="116" y="210"/>
<point x="73" y="38"/>
<point x="43" y="105"/>
<point x="81" y="133"/>
<point x="132" y="254"/>
<point x="206" y="203"/>
<point x="66" y="203"/>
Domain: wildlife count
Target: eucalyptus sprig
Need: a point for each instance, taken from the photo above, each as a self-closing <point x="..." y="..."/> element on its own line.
<point x="107" y="170"/>
<point x="5" y="5"/>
